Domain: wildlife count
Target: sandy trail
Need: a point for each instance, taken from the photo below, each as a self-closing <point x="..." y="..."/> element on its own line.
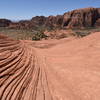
<point x="69" y="70"/>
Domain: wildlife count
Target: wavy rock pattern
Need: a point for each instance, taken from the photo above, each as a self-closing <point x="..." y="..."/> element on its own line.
<point x="67" y="71"/>
<point x="20" y="77"/>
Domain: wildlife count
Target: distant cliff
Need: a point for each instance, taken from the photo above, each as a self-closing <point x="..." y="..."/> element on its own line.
<point x="5" y="22"/>
<point x="79" y="18"/>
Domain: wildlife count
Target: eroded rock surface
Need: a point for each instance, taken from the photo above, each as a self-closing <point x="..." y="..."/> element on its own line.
<point x="69" y="70"/>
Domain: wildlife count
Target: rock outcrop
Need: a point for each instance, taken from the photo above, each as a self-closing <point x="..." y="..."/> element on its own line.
<point x="24" y="24"/>
<point x="38" y="20"/>
<point x="80" y="18"/>
<point x="97" y="24"/>
<point x="54" y="21"/>
<point x="4" y="22"/>
<point x="87" y="17"/>
<point x="50" y="70"/>
<point x="17" y="68"/>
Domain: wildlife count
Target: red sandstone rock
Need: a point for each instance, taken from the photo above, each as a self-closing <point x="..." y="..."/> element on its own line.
<point x="4" y="22"/>
<point x="97" y="24"/>
<point x="87" y="17"/>
<point x="81" y="18"/>
<point x="68" y="70"/>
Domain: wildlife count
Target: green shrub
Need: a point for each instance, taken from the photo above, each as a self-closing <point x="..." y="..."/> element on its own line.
<point x="38" y="36"/>
<point x="82" y="34"/>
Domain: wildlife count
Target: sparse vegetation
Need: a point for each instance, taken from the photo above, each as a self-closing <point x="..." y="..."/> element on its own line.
<point x="38" y="36"/>
<point x="24" y="34"/>
<point x="38" y="33"/>
<point x="85" y="31"/>
<point x="18" y="34"/>
<point x="82" y="34"/>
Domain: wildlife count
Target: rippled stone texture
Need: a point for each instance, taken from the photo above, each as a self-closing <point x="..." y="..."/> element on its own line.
<point x="16" y="69"/>
<point x="70" y="70"/>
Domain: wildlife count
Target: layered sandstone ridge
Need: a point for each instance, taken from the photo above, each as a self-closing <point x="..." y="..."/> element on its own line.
<point x="69" y="69"/>
<point x="79" y="18"/>
<point x="82" y="17"/>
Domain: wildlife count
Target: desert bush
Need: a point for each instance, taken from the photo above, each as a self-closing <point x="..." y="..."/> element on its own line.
<point x="38" y="36"/>
<point x="82" y="34"/>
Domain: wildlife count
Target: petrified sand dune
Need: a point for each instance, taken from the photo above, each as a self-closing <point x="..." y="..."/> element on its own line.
<point x="66" y="71"/>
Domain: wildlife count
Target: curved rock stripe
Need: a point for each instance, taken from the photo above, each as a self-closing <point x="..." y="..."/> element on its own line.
<point x="67" y="71"/>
